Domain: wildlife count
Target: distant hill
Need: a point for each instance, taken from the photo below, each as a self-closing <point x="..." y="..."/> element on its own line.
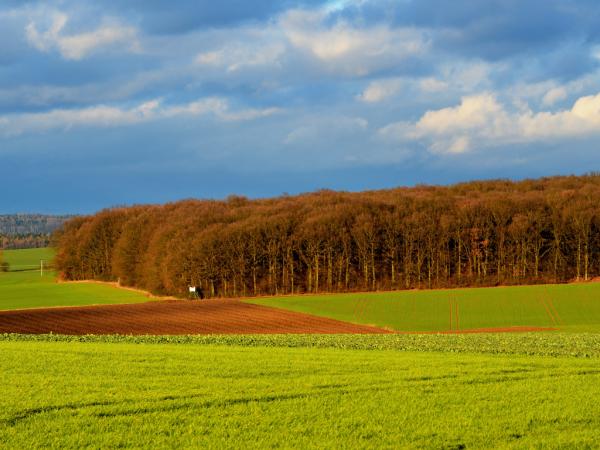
<point x="28" y="230"/>
<point x="20" y="224"/>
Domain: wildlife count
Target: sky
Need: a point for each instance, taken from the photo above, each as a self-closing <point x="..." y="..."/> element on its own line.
<point x="124" y="102"/>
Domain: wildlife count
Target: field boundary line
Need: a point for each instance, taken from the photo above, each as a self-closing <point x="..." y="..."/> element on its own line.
<point x="551" y="304"/>
<point x="359" y="309"/>
<point x="542" y="301"/>
<point x="553" y="308"/>
<point x="457" y="316"/>
<point x="450" y="305"/>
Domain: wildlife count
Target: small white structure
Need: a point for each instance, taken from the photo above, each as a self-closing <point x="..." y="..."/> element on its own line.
<point x="196" y="292"/>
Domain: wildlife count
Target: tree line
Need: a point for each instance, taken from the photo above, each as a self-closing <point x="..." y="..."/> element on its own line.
<point x="28" y="230"/>
<point x="30" y="224"/>
<point x="481" y="233"/>
<point x="18" y="241"/>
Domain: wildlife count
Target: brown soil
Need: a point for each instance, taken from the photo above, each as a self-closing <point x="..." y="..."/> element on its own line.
<point x="173" y="317"/>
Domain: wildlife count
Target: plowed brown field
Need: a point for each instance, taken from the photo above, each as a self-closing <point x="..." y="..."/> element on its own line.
<point x="173" y="317"/>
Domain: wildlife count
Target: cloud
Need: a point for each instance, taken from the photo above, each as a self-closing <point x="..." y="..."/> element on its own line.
<point x="554" y="95"/>
<point x="482" y="121"/>
<point x="77" y="46"/>
<point x="380" y="90"/>
<point x="353" y="50"/>
<point x="111" y="116"/>
<point x="583" y="119"/>
<point x="219" y="107"/>
<point x="458" y="77"/>
<point x="302" y="43"/>
<point x="491" y="30"/>
<point x="238" y="56"/>
<point x="431" y="84"/>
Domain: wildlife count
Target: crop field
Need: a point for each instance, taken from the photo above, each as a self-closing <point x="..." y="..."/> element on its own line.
<point x="28" y="258"/>
<point x="172" y="317"/>
<point x="568" y="307"/>
<point x="201" y="388"/>
<point x="243" y="394"/>
<point x="24" y="287"/>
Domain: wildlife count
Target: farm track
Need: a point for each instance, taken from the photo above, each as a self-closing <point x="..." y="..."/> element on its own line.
<point x="174" y="317"/>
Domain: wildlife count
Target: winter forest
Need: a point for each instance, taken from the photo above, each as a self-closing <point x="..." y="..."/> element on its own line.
<point x="471" y="234"/>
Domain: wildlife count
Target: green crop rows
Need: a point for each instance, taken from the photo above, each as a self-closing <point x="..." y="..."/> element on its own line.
<point x="538" y="344"/>
<point x="569" y="307"/>
<point x="101" y="394"/>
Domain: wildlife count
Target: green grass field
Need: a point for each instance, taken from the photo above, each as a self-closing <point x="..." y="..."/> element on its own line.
<point x="29" y="258"/>
<point x="569" y="307"/>
<point x="130" y="394"/>
<point x="511" y="390"/>
<point x="23" y="287"/>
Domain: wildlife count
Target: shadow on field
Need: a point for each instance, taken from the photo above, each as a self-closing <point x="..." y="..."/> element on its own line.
<point x="333" y="389"/>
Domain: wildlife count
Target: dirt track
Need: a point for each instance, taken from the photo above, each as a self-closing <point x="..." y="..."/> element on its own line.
<point x="173" y="317"/>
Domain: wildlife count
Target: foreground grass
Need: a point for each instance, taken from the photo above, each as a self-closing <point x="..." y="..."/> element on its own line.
<point x="27" y="289"/>
<point x="569" y="307"/>
<point x="105" y="395"/>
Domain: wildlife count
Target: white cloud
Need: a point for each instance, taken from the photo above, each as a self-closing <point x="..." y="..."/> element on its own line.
<point x="345" y="48"/>
<point x="307" y="38"/>
<point x="380" y="90"/>
<point x="78" y="46"/>
<point x="554" y="95"/>
<point x="433" y="85"/>
<point x="473" y="113"/>
<point x="210" y="58"/>
<point x="582" y="119"/>
<point x="220" y="108"/>
<point x="462" y="76"/>
<point x="44" y="41"/>
<point x="482" y="121"/>
<point x="300" y="44"/>
<point x="101" y="115"/>
<point x="548" y="92"/>
<point x="237" y="56"/>
<point x="110" y="116"/>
